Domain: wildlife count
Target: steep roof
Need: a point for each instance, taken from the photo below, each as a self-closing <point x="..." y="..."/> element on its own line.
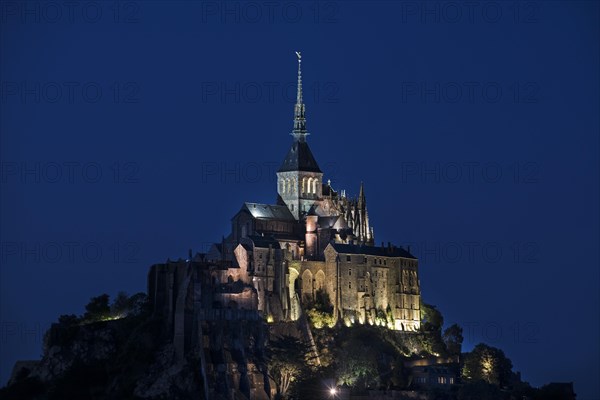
<point x="299" y="158"/>
<point x="371" y="250"/>
<point x="269" y="211"/>
<point x="264" y="241"/>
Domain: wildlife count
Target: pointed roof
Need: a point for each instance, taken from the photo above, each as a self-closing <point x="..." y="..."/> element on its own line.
<point x="299" y="157"/>
<point x="362" y="199"/>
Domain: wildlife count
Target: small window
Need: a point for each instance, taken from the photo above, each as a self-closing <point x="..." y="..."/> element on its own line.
<point x="349" y="271"/>
<point x="349" y="285"/>
<point x="348" y="258"/>
<point x="364" y="260"/>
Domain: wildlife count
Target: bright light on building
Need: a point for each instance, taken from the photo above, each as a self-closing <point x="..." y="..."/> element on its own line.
<point x="333" y="391"/>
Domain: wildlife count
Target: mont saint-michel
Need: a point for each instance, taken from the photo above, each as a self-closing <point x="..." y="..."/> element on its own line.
<point x="298" y="301"/>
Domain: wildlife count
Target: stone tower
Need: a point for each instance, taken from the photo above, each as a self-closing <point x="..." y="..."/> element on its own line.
<point x="299" y="179"/>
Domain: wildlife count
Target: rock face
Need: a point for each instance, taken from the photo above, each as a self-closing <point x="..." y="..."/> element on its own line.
<point x="138" y="359"/>
<point x="180" y="354"/>
<point x="181" y="344"/>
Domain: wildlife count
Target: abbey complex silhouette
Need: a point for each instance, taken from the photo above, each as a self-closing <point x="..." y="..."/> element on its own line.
<point x="236" y="322"/>
<point x="279" y="257"/>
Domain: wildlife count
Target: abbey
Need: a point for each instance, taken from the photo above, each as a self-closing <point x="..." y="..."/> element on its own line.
<point x="313" y="238"/>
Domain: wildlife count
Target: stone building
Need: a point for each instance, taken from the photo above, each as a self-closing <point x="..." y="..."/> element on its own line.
<point x="316" y="238"/>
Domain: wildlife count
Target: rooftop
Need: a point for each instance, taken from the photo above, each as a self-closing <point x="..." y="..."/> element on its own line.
<point x="372" y="250"/>
<point x="269" y="211"/>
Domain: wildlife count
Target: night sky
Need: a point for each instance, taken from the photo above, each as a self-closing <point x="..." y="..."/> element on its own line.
<point x="133" y="131"/>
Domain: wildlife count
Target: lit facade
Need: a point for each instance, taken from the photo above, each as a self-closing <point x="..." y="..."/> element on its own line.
<point x="316" y="238"/>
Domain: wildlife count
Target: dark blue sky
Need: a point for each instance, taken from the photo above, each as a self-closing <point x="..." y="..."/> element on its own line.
<point x="133" y="132"/>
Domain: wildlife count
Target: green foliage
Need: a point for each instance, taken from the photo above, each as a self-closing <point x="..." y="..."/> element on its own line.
<point x="487" y="364"/>
<point x="287" y="362"/>
<point x="321" y="303"/>
<point x="120" y="304"/>
<point x="97" y="309"/>
<point x="381" y="317"/>
<point x="320" y="319"/>
<point x="139" y="304"/>
<point x="453" y="338"/>
<point x="431" y="318"/>
<point x="320" y="312"/>
<point x="364" y="356"/>
<point x="357" y="366"/>
<point x="135" y="305"/>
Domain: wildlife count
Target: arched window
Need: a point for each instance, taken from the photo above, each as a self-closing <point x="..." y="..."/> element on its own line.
<point x="314" y="188"/>
<point x="309" y="186"/>
<point x="303" y="185"/>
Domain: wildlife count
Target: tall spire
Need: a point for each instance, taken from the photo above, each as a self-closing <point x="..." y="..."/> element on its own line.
<point x="299" y="132"/>
<point x="362" y="200"/>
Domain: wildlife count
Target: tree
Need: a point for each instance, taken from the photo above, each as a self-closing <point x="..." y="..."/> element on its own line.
<point x="286" y="362"/>
<point x="97" y="309"/>
<point x="453" y="338"/>
<point x="320" y="312"/>
<point x="431" y="318"/>
<point x="138" y="304"/>
<point x="431" y="327"/>
<point x="320" y="319"/>
<point x="357" y="365"/>
<point x="120" y="305"/>
<point x="487" y="364"/>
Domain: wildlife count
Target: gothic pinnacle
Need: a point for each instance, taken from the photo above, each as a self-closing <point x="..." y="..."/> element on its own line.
<point x="299" y="132"/>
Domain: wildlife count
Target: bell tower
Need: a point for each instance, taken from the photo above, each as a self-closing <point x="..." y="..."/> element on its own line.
<point x="299" y="179"/>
